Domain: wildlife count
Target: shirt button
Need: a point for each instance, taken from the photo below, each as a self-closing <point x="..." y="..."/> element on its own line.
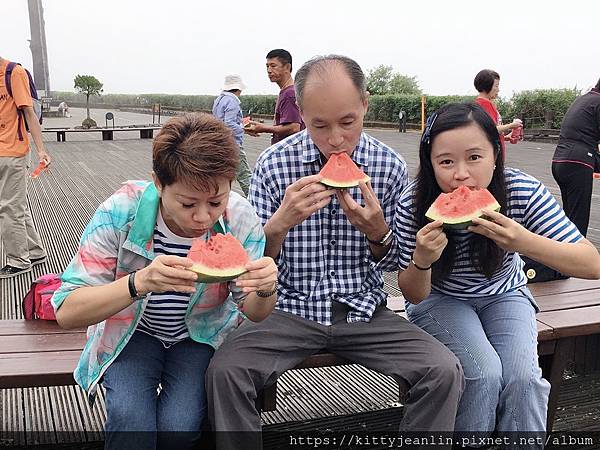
<point x="332" y="273"/>
<point x="333" y="212"/>
<point x="332" y="242"/>
<point x="334" y="296"/>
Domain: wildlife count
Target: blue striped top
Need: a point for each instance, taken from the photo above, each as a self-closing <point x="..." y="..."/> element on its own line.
<point x="164" y="316"/>
<point x="528" y="203"/>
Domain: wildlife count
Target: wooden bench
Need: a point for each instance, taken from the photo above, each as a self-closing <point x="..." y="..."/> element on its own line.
<point x="39" y="353"/>
<point x="568" y="309"/>
<point x="146" y="132"/>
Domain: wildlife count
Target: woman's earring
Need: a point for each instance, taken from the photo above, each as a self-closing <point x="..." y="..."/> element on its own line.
<point x="494" y="166"/>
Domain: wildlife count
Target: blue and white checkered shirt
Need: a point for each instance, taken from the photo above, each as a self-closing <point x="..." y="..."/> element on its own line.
<point x="325" y="257"/>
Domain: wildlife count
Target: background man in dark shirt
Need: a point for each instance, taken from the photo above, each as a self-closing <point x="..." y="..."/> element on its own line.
<point x="287" y="114"/>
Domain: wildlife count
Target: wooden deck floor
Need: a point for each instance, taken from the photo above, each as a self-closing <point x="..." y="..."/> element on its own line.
<point x="87" y="171"/>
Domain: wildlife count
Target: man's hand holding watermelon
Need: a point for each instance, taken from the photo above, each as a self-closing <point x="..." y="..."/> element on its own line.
<point x="369" y="218"/>
<point x="302" y="198"/>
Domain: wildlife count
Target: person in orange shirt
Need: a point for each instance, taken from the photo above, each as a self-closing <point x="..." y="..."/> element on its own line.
<point x="22" y="244"/>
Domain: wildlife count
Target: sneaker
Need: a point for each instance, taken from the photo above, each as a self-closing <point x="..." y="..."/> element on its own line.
<point x="40" y="260"/>
<point x="11" y="271"/>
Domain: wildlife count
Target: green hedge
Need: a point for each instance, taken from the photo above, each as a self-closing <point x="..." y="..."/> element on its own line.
<point x="539" y="108"/>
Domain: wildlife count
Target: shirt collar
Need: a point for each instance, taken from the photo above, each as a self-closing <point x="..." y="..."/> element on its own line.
<point x="311" y="153"/>
<point x="230" y="94"/>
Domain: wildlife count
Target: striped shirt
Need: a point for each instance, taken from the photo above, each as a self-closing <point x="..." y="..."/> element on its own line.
<point x="325" y="257"/>
<point x="164" y="316"/>
<point x="528" y="203"/>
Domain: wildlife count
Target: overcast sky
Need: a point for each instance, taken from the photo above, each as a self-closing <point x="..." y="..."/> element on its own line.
<point x="186" y="47"/>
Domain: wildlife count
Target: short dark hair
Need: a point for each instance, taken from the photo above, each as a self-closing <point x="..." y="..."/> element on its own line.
<point x="195" y="149"/>
<point x="486" y="256"/>
<point x="283" y="55"/>
<point x="321" y="64"/>
<point x="484" y="80"/>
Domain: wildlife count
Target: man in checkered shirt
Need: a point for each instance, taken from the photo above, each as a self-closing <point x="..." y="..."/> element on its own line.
<point x="329" y="245"/>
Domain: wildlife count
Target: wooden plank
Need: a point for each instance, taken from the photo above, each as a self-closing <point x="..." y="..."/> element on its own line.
<point x="545" y="332"/>
<point x="67" y="415"/>
<point x="39" y="343"/>
<point x="568" y="301"/>
<point x="12" y="418"/>
<point x="562" y="286"/>
<point x="48" y="368"/>
<point x="21" y="327"/>
<point x="572" y="322"/>
<point x="39" y="423"/>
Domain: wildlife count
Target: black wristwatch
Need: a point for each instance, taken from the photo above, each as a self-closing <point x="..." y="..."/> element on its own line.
<point x="385" y="240"/>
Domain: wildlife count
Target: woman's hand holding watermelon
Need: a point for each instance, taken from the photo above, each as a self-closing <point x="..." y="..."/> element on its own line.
<point x="504" y="231"/>
<point x="261" y="275"/>
<point x="166" y="273"/>
<point x="431" y="242"/>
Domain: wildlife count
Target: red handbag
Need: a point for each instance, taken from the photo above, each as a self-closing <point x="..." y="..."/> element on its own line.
<point x="36" y="304"/>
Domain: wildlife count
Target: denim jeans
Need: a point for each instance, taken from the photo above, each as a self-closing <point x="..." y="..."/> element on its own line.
<point x="495" y="339"/>
<point x="139" y="418"/>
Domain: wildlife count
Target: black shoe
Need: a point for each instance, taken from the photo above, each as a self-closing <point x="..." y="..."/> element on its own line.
<point x="40" y="260"/>
<point x="11" y="271"/>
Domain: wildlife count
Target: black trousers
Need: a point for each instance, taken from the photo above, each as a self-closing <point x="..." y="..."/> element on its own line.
<point x="576" y="186"/>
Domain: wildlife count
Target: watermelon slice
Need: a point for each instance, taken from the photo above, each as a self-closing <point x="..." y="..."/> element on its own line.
<point x="38" y="170"/>
<point x="221" y="258"/>
<point x="341" y="172"/>
<point x="458" y="208"/>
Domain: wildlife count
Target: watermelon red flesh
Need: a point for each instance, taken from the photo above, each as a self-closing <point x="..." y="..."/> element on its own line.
<point x="221" y="258"/>
<point x="341" y="172"/>
<point x="458" y="208"/>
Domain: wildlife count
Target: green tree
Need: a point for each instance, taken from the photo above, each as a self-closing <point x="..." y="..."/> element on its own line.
<point x="88" y="85"/>
<point x="403" y="84"/>
<point x="382" y="80"/>
<point x="378" y="79"/>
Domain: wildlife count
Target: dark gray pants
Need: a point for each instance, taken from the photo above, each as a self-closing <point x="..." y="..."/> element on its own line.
<point x="256" y="354"/>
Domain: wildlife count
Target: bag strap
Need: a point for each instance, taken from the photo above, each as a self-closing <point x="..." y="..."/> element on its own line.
<point x="8" y="83"/>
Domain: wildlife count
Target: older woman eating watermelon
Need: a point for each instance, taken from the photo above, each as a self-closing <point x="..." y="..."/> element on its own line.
<point x="462" y="275"/>
<point x="151" y="322"/>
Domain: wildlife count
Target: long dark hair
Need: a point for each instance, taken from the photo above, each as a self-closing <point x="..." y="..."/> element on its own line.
<point x="486" y="256"/>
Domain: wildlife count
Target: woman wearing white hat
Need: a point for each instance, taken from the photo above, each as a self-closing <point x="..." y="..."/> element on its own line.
<point x="227" y="108"/>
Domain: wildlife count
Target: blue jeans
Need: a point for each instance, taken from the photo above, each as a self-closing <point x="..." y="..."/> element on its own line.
<point x="139" y="418"/>
<point x="495" y="339"/>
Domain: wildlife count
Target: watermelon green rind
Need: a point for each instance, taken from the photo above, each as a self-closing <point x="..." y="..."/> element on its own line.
<point x="459" y="223"/>
<point x="219" y="259"/>
<point x="458" y="208"/>
<point x="208" y="275"/>
<point x="344" y="184"/>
